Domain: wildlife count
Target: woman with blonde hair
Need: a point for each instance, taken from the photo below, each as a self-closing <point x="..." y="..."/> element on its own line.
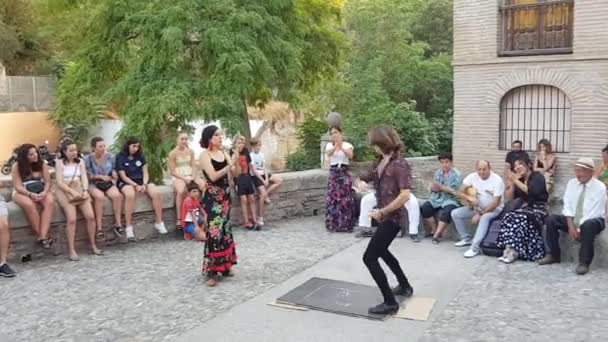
<point x="245" y="188"/>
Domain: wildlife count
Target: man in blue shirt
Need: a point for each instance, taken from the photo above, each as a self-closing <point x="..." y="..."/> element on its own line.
<point x="443" y="200"/>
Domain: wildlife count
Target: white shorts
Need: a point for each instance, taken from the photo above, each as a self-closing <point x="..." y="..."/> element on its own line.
<point x="3" y="209"/>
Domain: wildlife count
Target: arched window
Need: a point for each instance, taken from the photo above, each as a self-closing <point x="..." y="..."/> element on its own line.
<point x="533" y="112"/>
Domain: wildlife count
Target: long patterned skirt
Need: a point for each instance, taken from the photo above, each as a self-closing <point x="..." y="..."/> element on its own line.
<point x="220" y="249"/>
<point x="521" y="229"/>
<point x="340" y="201"/>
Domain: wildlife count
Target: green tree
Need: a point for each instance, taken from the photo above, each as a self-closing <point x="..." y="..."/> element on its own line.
<point x="163" y="64"/>
<point x="20" y="46"/>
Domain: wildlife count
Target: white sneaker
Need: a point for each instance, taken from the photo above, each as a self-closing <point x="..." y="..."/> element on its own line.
<point x="463" y="243"/>
<point x="161" y="227"/>
<point x="471" y="252"/>
<point x="129" y="232"/>
<point x="260" y="221"/>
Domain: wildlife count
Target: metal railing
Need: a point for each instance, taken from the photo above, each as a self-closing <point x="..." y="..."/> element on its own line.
<point x="26" y="93"/>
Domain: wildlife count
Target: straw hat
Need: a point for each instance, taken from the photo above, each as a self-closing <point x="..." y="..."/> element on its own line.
<point x="586" y="163"/>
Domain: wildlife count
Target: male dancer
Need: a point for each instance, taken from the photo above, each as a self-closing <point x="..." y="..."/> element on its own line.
<point x="391" y="177"/>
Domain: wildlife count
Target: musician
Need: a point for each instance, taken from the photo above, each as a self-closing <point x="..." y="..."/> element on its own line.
<point x="482" y="194"/>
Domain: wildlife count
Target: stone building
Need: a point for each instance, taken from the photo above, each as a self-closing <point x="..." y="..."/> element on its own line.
<point x="527" y="70"/>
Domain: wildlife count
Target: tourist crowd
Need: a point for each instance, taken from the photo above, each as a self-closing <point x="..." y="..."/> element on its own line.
<point x="202" y="194"/>
<point x="508" y="212"/>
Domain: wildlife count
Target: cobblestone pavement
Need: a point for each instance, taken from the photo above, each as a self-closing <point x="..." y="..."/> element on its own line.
<point x="152" y="291"/>
<point x="526" y="302"/>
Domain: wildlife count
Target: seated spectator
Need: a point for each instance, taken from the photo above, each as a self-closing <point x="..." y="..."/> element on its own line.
<point x="102" y="184"/>
<point x="5" y="242"/>
<point x="181" y="168"/>
<point x="72" y="194"/>
<point x="520" y="229"/>
<point x="369" y="203"/>
<point x="480" y="208"/>
<point x="443" y="197"/>
<point x="133" y="178"/>
<point x="583" y="216"/>
<point x="193" y="215"/>
<point x="545" y="162"/>
<point x="601" y="172"/>
<point x="32" y="184"/>
<point x="245" y="188"/>
<point x="516" y="153"/>
<point x="265" y="182"/>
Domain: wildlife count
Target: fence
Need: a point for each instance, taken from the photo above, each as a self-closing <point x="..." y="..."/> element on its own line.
<point x="26" y="93"/>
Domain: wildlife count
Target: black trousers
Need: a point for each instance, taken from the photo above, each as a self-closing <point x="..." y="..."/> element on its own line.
<point x="378" y="248"/>
<point x="445" y="213"/>
<point x="589" y="230"/>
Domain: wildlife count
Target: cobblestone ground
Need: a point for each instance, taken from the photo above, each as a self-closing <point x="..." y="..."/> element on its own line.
<point x="526" y="302"/>
<point x="152" y="291"/>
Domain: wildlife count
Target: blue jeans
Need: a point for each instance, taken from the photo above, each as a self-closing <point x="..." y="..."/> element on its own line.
<point x="462" y="216"/>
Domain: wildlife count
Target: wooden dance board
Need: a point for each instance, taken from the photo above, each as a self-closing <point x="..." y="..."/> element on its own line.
<point x="335" y="296"/>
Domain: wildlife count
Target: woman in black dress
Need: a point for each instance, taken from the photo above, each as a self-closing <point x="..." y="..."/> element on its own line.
<point x="520" y="230"/>
<point x="220" y="252"/>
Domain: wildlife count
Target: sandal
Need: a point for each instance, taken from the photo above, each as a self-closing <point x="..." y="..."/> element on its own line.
<point x="249" y="226"/>
<point x="119" y="230"/>
<point x="100" y="235"/>
<point x="46" y="243"/>
<point x="97" y="252"/>
<point x="178" y="225"/>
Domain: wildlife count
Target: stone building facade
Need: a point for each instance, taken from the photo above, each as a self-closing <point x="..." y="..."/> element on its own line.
<point x="527" y="70"/>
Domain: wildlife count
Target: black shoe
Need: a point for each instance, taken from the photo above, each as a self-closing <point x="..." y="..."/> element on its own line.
<point x="435" y="241"/>
<point x="6" y="271"/>
<point x="383" y="309"/>
<point x="119" y="231"/>
<point x="406" y="292"/>
<point x="415" y="238"/>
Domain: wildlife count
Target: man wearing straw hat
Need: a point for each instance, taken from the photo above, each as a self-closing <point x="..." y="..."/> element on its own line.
<point x="583" y="216"/>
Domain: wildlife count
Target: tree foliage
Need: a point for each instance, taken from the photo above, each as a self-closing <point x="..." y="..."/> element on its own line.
<point x="163" y="64"/>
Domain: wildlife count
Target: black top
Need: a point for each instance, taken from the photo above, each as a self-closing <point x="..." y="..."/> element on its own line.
<point x="223" y="181"/>
<point x="537" y="189"/>
<point x="517" y="155"/>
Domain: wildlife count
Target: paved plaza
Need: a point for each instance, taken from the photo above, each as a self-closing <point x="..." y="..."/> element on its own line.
<point x="153" y="291"/>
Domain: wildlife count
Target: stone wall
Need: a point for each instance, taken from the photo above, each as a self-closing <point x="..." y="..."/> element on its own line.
<point x="302" y="194"/>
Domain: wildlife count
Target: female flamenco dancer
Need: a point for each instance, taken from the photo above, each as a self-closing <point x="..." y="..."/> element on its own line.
<point x="391" y="177"/>
<point x="220" y="253"/>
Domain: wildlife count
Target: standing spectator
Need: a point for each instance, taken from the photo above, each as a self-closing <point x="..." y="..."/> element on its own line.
<point x="32" y="183"/>
<point x="520" y="229"/>
<point x="181" y="168"/>
<point x="583" y="216"/>
<point x="443" y="197"/>
<point x="264" y="181"/>
<point x="516" y="153"/>
<point x="340" y="198"/>
<point x="72" y="194"/>
<point x="545" y="162"/>
<point x="5" y="241"/>
<point x="391" y="178"/>
<point x="220" y="250"/>
<point x="482" y="191"/>
<point x="102" y="184"/>
<point x="245" y="188"/>
<point x="134" y="178"/>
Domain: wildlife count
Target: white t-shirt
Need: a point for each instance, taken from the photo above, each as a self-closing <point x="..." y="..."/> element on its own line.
<point x="258" y="160"/>
<point x="486" y="189"/>
<point x="339" y="157"/>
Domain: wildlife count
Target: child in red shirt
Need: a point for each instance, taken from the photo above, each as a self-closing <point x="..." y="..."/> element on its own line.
<point x="193" y="216"/>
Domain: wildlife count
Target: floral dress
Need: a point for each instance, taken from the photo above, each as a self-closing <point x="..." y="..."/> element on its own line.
<point x="521" y="228"/>
<point x="220" y="250"/>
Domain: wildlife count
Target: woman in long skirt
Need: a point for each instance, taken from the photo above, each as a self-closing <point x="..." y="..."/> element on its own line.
<point x="340" y="197"/>
<point x="220" y="249"/>
<point x="520" y="230"/>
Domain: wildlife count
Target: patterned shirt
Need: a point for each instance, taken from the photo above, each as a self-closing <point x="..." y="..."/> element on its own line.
<point x="440" y="199"/>
<point x="93" y="169"/>
<point x="395" y="177"/>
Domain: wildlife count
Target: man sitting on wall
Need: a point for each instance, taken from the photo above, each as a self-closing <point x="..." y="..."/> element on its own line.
<point x="516" y="153"/>
<point x="368" y="203"/>
<point x="443" y="201"/>
<point x="583" y="216"/>
<point x="482" y="195"/>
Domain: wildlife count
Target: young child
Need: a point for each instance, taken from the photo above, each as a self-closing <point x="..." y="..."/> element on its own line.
<point x="245" y="188"/>
<point x="193" y="216"/>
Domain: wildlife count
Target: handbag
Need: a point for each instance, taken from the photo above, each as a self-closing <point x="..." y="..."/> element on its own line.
<point x="103" y="185"/>
<point x="75" y="185"/>
<point x="34" y="186"/>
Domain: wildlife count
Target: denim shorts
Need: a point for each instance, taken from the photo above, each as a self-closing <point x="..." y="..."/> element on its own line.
<point x="3" y="209"/>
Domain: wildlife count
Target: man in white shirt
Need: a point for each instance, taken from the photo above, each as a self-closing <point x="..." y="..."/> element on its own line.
<point x="482" y="195"/>
<point x="583" y="216"/>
